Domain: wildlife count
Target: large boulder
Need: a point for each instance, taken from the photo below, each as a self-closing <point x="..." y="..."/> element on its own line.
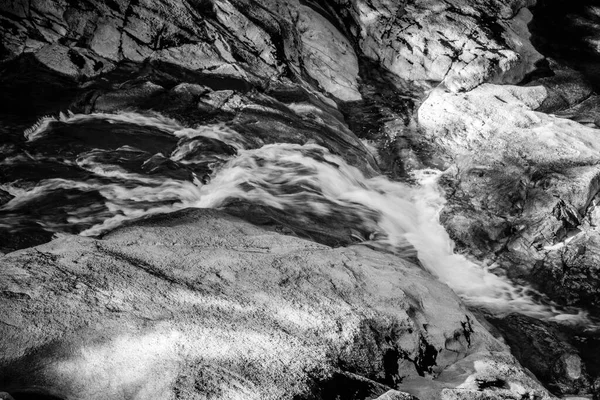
<point x="198" y="304"/>
<point x="523" y="192"/>
<point x="254" y="43"/>
<point x="461" y="43"/>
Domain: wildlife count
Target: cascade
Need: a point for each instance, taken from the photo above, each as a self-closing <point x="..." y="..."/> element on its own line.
<point x="308" y="179"/>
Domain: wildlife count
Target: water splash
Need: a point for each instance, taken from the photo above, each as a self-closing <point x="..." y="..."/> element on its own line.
<point x="301" y="178"/>
<point x="155" y="120"/>
<point x="405" y="216"/>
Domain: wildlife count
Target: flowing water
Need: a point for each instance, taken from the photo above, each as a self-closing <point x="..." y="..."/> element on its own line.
<point x="96" y="171"/>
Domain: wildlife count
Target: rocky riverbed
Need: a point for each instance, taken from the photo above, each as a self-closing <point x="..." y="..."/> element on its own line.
<point x="231" y="199"/>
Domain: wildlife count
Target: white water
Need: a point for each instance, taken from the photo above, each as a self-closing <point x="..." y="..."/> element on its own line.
<point x="406" y="215"/>
<point x="401" y="218"/>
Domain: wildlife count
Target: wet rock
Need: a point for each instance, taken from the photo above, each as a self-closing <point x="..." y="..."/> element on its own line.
<point x="395" y="395"/>
<point x="587" y="112"/>
<point x="570" y="272"/>
<point x="566" y="88"/>
<point x="570" y="37"/>
<point x="158" y="164"/>
<point x="219" y="306"/>
<point x="337" y="231"/>
<point x="324" y="50"/>
<point x="23" y="101"/>
<point x="127" y="98"/>
<point x="25" y="237"/>
<point x="460" y="43"/>
<point x="5" y="197"/>
<point x="351" y="386"/>
<point x="523" y="179"/>
<point x="546" y="352"/>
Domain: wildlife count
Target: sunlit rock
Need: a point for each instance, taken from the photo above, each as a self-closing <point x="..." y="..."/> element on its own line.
<point x="199" y="302"/>
<point x="523" y="184"/>
<point x="328" y="56"/>
<point x="459" y="43"/>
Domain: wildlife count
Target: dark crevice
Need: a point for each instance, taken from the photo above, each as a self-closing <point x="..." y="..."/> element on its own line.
<point x="33" y="395"/>
<point x="564" y="30"/>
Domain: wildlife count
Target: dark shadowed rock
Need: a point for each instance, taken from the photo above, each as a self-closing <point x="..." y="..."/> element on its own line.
<point x="570" y="273"/>
<point x="5" y="197"/>
<point x="546" y="352"/>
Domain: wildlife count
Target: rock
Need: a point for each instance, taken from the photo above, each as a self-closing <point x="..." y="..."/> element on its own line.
<point x="395" y="395"/>
<point x="570" y="272"/>
<point x="127" y="98"/>
<point x="221" y="307"/>
<point x="334" y="232"/>
<point x="351" y="386"/>
<point x="247" y="31"/>
<point x="545" y="351"/>
<point x="587" y="112"/>
<point x="569" y="37"/>
<point x="190" y="302"/>
<point x="524" y="179"/>
<point x="26" y="236"/>
<point x="5" y="197"/>
<point x="460" y="43"/>
<point x="328" y="56"/>
<point x="106" y="41"/>
<point x="56" y="56"/>
<point x="566" y="89"/>
<point x="494" y="378"/>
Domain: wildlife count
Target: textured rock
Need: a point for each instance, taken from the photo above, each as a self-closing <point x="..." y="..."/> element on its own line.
<point x="222" y="38"/>
<point x="198" y="303"/>
<point x="570" y="273"/>
<point x="522" y="192"/>
<point x="5" y="197"/>
<point x="545" y="351"/>
<point x="461" y="43"/>
<point x="328" y="56"/>
<point x="524" y="179"/>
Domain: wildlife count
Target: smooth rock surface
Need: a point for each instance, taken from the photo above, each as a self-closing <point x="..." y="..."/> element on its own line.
<point x="197" y="303"/>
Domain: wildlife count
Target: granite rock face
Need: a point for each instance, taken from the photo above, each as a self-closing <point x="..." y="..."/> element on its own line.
<point x="460" y="43"/>
<point x="546" y="352"/>
<point x="255" y="43"/>
<point x="198" y="303"/>
<point x="216" y="307"/>
<point x="524" y="185"/>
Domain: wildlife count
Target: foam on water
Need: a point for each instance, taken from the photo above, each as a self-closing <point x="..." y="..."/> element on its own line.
<point x="150" y="119"/>
<point x="402" y="218"/>
<point x="406" y="214"/>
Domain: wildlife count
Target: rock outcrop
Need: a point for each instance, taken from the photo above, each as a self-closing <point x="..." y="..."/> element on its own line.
<point x="198" y="303"/>
<point x="202" y="304"/>
<point x="460" y="43"/>
<point x="524" y="180"/>
<point x="546" y="352"/>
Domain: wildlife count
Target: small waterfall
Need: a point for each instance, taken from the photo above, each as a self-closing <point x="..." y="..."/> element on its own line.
<point x="406" y="217"/>
<point x="398" y="217"/>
